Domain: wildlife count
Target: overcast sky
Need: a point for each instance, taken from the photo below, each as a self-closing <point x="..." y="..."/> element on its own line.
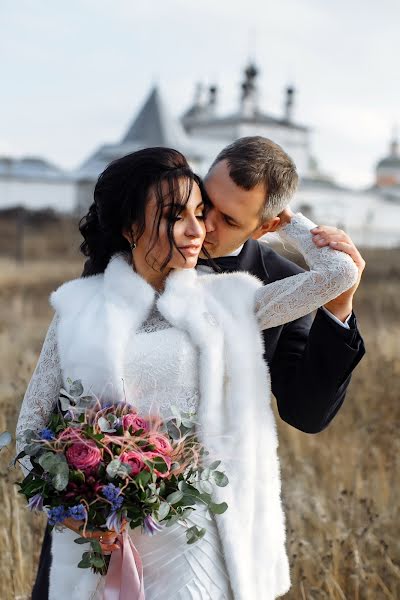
<point x="73" y="74"/>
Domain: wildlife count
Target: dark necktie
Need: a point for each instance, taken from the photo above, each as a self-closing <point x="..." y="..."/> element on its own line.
<point x="225" y="263"/>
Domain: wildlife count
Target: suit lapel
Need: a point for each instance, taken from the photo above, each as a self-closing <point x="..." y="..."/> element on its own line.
<point x="251" y="260"/>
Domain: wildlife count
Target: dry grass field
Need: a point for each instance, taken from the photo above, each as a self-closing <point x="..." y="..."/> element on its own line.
<point x="340" y="487"/>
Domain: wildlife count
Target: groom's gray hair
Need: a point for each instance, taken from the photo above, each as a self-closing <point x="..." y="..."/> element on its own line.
<point x="255" y="159"/>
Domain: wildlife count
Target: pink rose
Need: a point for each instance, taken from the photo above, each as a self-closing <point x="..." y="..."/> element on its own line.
<point x="83" y="455"/>
<point x="133" y="420"/>
<point x="134" y="460"/>
<point x="161" y="443"/>
<point x="166" y="459"/>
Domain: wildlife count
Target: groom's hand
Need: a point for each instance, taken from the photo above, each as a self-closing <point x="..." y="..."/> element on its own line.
<point x="324" y="235"/>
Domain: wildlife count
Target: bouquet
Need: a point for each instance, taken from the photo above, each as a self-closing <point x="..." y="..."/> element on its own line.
<point x="106" y="466"/>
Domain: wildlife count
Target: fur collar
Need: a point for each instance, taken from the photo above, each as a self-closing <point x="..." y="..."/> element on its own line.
<point x="99" y="316"/>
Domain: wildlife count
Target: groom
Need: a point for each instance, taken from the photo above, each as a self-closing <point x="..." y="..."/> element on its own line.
<point x="310" y="360"/>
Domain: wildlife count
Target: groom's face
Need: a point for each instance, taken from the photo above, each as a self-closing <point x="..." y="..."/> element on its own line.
<point x="234" y="215"/>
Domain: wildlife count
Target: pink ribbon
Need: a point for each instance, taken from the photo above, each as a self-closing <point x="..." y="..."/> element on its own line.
<point x="124" y="579"/>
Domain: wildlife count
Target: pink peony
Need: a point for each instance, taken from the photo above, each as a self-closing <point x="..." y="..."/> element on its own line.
<point x="83" y="455"/>
<point x="166" y="459"/>
<point x="133" y="420"/>
<point x="161" y="443"/>
<point x="134" y="460"/>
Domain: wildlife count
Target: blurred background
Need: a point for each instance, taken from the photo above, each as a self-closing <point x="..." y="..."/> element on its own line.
<point x="88" y="81"/>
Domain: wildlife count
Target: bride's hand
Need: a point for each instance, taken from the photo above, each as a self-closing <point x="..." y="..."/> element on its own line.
<point x="285" y="217"/>
<point x="107" y="539"/>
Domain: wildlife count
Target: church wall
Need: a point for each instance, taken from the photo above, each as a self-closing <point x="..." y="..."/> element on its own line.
<point x="388" y="176"/>
<point x="366" y="217"/>
<point x="34" y="194"/>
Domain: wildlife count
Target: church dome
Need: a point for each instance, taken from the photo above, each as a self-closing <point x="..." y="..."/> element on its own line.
<point x="389" y="161"/>
<point x="388" y="168"/>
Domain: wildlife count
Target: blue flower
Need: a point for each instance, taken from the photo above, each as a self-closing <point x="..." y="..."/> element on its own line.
<point x="151" y="526"/>
<point x="46" y="434"/>
<point x="78" y="512"/>
<point x="111" y="491"/>
<point x="57" y="514"/>
<point x="36" y="502"/>
<point x="113" y="495"/>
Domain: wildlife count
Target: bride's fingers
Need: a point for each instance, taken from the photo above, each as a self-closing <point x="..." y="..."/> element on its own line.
<point x="343" y="246"/>
<point x="323" y="239"/>
<point x="352" y="251"/>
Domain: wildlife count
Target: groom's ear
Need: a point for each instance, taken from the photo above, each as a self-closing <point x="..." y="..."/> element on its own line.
<point x="267" y="227"/>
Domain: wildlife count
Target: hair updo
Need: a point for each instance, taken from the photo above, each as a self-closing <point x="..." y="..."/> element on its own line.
<point x="120" y="197"/>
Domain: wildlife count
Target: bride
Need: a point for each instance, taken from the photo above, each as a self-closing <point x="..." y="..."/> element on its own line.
<point x="144" y="325"/>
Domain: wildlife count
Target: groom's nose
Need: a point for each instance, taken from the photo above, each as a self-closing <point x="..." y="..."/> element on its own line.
<point x="209" y="221"/>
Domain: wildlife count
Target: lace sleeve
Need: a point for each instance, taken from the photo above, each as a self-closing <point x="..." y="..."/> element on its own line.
<point x="331" y="273"/>
<point x="42" y="391"/>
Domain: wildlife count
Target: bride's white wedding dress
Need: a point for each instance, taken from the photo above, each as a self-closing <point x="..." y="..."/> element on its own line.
<point x="161" y="368"/>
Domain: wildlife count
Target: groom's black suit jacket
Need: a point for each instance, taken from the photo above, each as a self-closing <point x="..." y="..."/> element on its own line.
<point x="310" y="360"/>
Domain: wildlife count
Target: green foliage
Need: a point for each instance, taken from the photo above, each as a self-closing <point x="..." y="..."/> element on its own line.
<point x="56" y="465"/>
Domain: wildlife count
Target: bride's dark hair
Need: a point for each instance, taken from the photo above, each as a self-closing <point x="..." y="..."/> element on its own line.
<point x="120" y="197"/>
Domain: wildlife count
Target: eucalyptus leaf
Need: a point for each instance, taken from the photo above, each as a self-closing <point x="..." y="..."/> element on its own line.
<point x="65" y="404"/>
<point x="151" y="500"/>
<point x="189" y="500"/>
<point x="116" y="468"/>
<point x="177" y="413"/>
<point x="84" y="402"/>
<point x="175" y="497"/>
<point x="205" y="474"/>
<point x="217" y="509"/>
<point x="82" y="540"/>
<point x="76" y="388"/>
<point x="193" y="534"/>
<point x="220" y="478"/>
<point x="105" y="425"/>
<point x="173" y="520"/>
<point x="206" y="498"/>
<point x="206" y="487"/>
<point x="47" y="461"/>
<point x="29" y="435"/>
<point x="60" y="480"/>
<point x="33" y="449"/>
<point x="173" y="430"/>
<point x="188" y="489"/>
<point x="187" y="423"/>
<point x="214" y="465"/>
<point x="65" y="394"/>
<point x="163" y="510"/>
<point x="187" y="512"/>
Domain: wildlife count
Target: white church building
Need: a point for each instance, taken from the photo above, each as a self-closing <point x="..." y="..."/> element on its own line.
<point x="371" y="216"/>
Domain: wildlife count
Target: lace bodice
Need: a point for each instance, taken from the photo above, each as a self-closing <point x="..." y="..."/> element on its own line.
<point x="161" y="374"/>
<point x="160" y="368"/>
